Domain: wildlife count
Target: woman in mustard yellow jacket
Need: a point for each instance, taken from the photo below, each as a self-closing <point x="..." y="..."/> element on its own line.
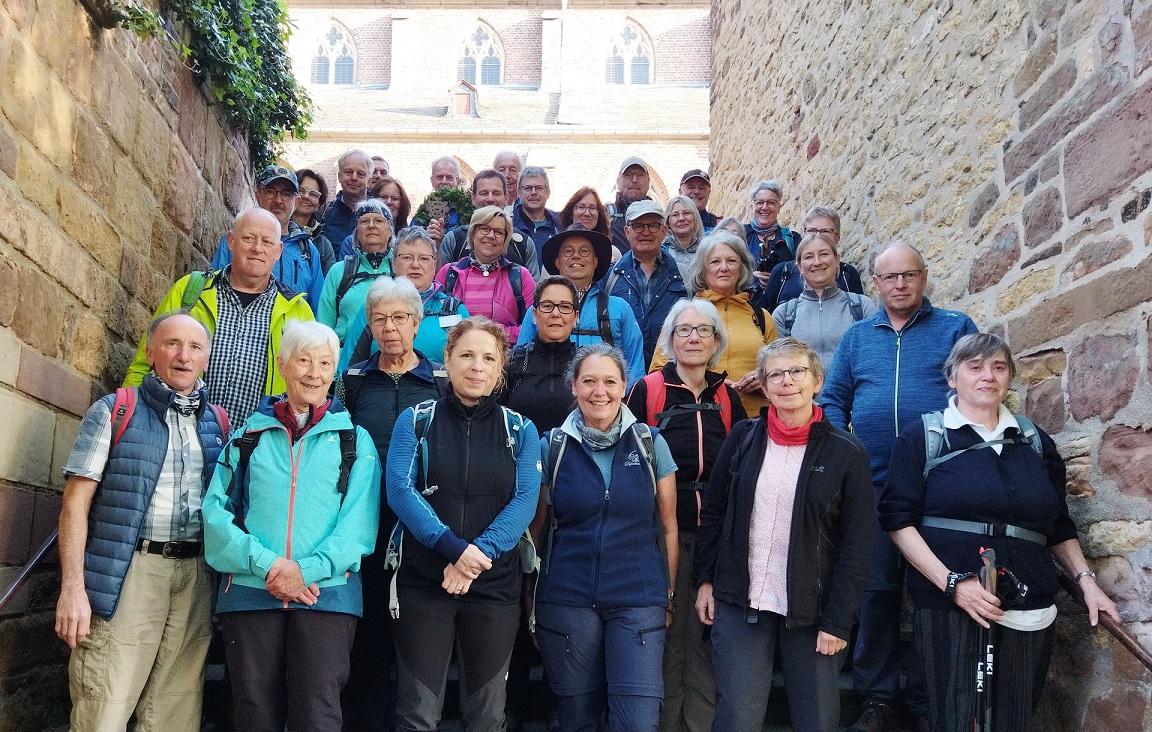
<point x="722" y="275"/>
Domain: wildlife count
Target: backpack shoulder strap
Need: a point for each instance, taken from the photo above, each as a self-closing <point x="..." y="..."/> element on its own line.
<point x="855" y="305"/>
<point x="513" y="423"/>
<point x="935" y="438"/>
<point x="603" y="319"/>
<point x="123" y="406"/>
<point x="790" y="308"/>
<point x="422" y="415"/>
<point x="516" y="282"/>
<point x="222" y="420"/>
<point x="236" y="494"/>
<point x="655" y="396"/>
<point x="1029" y="432"/>
<point x="645" y="437"/>
<point x="451" y="277"/>
<point x="347" y="458"/>
<point x="725" y="403"/>
<point x="197" y="281"/>
<point x="347" y="277"/>
<point x="611" y="279"/>
<point x="758" y="319"/>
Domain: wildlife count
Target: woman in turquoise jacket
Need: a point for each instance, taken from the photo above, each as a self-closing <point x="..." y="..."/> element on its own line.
<point x="292" y="509"/>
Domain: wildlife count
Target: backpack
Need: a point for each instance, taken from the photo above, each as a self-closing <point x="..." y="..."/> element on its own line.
<point x="124" y="405"/>
<point x="855" y="306"/>
<point x="656" y="394"/>
<point x="758" y="319"/>
<point x="197" y="281"/>
<point x="236" y="495"/>
<point x="936" y="439"/>
<point x="515" y="282"/>
<point x="422" y="416"/>
<point x="350" y="276"/>
<point x="603" y="320"/>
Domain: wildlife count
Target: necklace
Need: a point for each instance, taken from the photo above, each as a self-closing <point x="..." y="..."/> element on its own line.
<point x="486" y="269"/>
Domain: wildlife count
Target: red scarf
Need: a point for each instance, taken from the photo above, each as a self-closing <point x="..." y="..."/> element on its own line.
<point x="782" y="434"/>
<point x="283" y="412"/>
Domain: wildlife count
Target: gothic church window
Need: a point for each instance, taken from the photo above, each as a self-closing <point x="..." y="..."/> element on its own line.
<point x="629" y="57"/>
<point x="482" y="59"/>
<point x="335" y="59"/>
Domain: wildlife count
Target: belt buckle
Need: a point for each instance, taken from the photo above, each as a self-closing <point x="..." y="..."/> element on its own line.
<point x="166" y="552"/>
<point x="998" y="530"/>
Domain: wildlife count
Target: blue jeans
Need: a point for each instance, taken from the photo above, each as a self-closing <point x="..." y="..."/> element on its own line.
<point x="742" y="655"/>
<point x="604" y="661"/>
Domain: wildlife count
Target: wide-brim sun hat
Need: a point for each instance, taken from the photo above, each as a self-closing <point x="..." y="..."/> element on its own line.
<point x="550" y="252"/>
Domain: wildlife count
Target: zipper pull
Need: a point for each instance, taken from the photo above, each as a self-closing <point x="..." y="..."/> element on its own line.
<point x="605" y="494"/>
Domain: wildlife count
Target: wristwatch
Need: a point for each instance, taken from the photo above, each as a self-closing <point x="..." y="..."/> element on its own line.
<point x="1085" y="573"/>
<point x="955" y="578"/>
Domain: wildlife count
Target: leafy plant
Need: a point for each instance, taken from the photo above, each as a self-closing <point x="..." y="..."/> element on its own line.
<point x="237" y="50"/>
<point x="452" y="204"/>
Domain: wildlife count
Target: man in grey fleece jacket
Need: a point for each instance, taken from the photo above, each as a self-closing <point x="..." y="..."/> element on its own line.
<point x="888" y="370"/>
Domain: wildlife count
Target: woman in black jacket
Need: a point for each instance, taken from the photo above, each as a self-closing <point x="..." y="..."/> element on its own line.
<point x="954" y="476"/>
<point x="783" y="549"/>
<point x="695" y="410"/>
<point x="534" y="378"/>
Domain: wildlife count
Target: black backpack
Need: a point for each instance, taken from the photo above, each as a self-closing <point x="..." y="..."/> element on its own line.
<point x="350" y="276"/>
<point x="603" y="321"/>
<point x="237" y="493"/>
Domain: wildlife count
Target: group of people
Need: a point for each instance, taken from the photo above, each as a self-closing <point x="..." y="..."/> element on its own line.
<point x="659" y="448"/>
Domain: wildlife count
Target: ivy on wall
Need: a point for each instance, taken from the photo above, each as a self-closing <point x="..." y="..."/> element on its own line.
<point x="237" y="50"/>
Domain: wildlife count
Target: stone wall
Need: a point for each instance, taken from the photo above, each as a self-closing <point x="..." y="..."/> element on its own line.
<point x="1012" y="142"/>
<point x="116" y="177"/>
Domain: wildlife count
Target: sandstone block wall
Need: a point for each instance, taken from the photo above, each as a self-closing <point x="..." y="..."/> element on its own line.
<point x="1010" y="140"/>
<point x="116" y="177"/>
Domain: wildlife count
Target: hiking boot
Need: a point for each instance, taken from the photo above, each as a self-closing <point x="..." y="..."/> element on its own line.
<point x="876" y="717"/>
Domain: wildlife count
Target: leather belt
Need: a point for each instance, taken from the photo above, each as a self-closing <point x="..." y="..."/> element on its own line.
<point x="976" y="527"/>
<point x="691" y="485"/>
<point x="171" y="549"/>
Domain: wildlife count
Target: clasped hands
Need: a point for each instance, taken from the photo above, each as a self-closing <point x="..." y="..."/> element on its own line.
<point x="286" y="583"/>
<point x="458" y="576"/>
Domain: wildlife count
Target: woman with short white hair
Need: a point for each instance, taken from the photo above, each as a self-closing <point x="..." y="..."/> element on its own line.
<point x="292" y="509"/>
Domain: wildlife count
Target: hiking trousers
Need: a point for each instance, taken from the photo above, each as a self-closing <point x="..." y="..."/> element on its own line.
<point x="287" y="667"/>
<point x="148" y="659"/>
<point x="431" y="625"/>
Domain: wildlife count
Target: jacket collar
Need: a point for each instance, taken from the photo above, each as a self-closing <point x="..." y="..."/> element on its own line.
<point x="925" y="311"/>
<point x="712" y="379"/>
<point x="425" y="369"/>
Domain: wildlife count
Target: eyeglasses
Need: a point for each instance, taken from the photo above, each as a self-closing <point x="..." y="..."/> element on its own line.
<point x="396" y="318"/>
<point x="389" y="199"/>
<point x="586" y="208"/>
<point x="371" y="221"/>
<point x="705" y="331"/>
<point x="533" y="189"/>
<point x="310" y="195"/>
<point x="485" y="230"/>
<point x="651" y="227"/>
<point x="284" y="193"/>
<point x="912" y="275"/>
<point x="421" y="258"/>
<point x="814" y="230"/>
<point x="547" y="306"/>
<point x="795" y="374"/>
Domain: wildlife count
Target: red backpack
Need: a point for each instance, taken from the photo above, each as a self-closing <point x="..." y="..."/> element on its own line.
<point x="656" y="394"/>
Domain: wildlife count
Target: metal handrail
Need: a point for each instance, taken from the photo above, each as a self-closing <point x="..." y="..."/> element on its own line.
<point x="26" y="571"/>
<point x="1118" y="631"/>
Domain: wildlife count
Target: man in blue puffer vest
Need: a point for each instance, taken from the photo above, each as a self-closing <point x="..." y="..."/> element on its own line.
<point x="135" y="594"/>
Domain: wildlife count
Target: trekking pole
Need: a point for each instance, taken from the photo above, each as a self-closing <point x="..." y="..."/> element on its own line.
<point x="986" y="654"/>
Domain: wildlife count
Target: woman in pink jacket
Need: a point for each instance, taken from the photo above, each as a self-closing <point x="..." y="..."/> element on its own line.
<point x="485" y="280"/>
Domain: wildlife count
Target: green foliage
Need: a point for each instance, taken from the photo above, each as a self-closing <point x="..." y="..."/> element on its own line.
<point x="454" y="204"/>
<point x="236" y="48"/>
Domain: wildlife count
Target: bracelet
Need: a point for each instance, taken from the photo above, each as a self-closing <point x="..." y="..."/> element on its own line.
<point x="1085" y="573"/>
<point x="955" y="578"/>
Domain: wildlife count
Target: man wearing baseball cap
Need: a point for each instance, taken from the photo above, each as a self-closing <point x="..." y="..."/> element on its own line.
<point x="632" y="183"/>
<point x="697" y="185"/>
<point x="647" y="277"/>
<point x="299" y="265"/>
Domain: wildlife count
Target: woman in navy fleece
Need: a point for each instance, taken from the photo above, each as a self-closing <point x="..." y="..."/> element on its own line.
<point x="939" y="518"/>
